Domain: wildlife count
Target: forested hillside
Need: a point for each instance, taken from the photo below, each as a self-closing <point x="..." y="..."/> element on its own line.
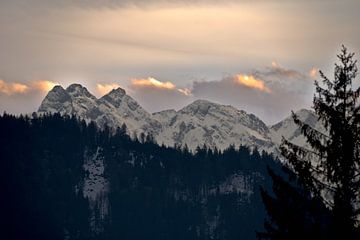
<point x="152" y="192"/>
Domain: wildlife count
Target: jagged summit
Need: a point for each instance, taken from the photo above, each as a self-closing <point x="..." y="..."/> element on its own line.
<point x="201" y="122"/>
<point x="118" y="92"/>
<point x="114" y="97"/>
<point x="113" y="109"/>
<point x="75" y="86"/>
<point x="57" y="88"/>
<point x="57" y="100"/>
<point x="77" y="90"/>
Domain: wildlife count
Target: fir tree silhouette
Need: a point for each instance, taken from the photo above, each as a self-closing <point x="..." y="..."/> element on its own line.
<point x="328" y="170"/>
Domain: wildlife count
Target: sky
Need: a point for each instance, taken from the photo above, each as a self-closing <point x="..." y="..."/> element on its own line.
<point x="259" y="56"/>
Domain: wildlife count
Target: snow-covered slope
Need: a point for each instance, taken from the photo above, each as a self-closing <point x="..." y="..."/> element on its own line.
<point x="201" y="122"/>
<point x="113" y="109"/>
<point x="290" y="131"/>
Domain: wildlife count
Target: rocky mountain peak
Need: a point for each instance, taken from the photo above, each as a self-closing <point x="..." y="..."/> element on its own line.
<point x="58" y="93"/>
<point x="199" y="107"/>
<point x="201" y="122"/>
<point x="288" y="129"/>
<point x="117" y="92"/>
<point x="115" y="97"/>
<point x="57" y="89"/>
<point x="55" y="100"/>
<point x="77" y="90"/>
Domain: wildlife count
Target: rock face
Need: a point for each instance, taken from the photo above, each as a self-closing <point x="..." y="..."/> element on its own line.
<point x="201" y="122"/>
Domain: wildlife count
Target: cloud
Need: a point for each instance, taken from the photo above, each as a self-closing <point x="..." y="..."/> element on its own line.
<point x="313" y="72"/>
<point x="115" y="3"/>
<point x="23" y="97"/>
<point x="251" y="82"/>
<point x="278" y="90"/>
<point x="12" y="88"/>
<point x="276" y="70"/>
<point x="185" y="91"/>
<point x="155" y="95"/>
<point x="43" y="85"/>
<point x="105" y="88"/>
<point x="279" y="78"/>
<point x="152" y="83"/>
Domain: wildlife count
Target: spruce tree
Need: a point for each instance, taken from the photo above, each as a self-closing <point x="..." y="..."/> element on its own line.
<point x="329" y="168"/>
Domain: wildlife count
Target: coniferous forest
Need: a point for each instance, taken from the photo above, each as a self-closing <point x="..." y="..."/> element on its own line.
<point x="154" y="192"/>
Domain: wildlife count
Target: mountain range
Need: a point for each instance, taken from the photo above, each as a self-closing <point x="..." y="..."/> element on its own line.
<point x="201" y="122"/>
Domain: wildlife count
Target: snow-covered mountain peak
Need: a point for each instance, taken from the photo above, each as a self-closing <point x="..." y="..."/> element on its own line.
<point x="215" y="125"/>
<point x="116" y="93"/>
<point x="115" y="97"/>
<point x="56" y="100"/>
<point x="199" y="107"/>
<point x="57" y="89"/>
<point x="77" y="90"/>
<point x="58" y="93"/>
<point x="304" y="115"/>
<point x="201" y="122"/>
<point x="290" y="131"/>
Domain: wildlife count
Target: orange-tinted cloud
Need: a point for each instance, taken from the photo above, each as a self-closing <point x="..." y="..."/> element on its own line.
<point x="152" y="83"/>
<point x="43" y="85"/>
<point x="12" y="88"/>
<point x="21" y="88"/>
<point x="313" y="72"/>
<point x="185" y="91"/>
<point x="105" y="88"/>
<point x="275" y="64"/>
<point x="251" y="82"/>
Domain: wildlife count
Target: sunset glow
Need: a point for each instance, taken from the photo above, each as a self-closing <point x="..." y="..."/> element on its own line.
<point x="43" y="85"/>
<point x="105" y="88"/>
<point x="153" y="83"/>
<point x="179" y="49"/>
<point x="313" y="72"/>
<point x="185" y="91"/>
<point x="12" y="88"/>
<point x="251" y="82"/>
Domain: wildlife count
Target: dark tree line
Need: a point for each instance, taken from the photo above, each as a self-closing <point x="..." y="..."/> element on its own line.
<point x="41" y="174"/>
<point x="321" y="199"/>
<point x="170" y="193"/>
<point x="155" y="192"/>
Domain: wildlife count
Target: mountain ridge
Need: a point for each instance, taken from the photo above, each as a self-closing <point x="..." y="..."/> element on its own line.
<point x="200" y="122"/>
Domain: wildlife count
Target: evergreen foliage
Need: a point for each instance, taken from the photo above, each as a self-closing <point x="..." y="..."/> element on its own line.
<point x="327" y="170"/>
<point x="155" y="192"/>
